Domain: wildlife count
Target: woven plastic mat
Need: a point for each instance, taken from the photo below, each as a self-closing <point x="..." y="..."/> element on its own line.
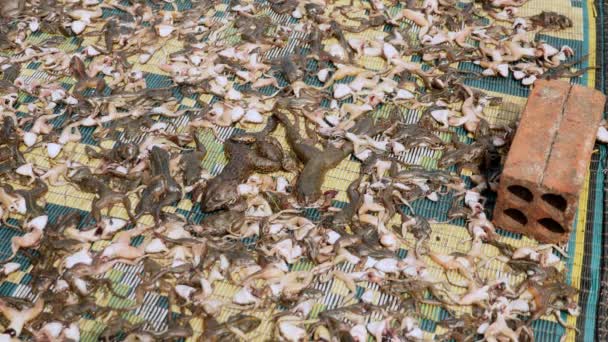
<point x="585" y="245"/>
<point x="601" y="214"/>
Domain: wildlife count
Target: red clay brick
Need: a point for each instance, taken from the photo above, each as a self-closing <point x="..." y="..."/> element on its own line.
<point x="540" y="115"/>
<point x="549" y="157"/>
<point x="576" y="138"/>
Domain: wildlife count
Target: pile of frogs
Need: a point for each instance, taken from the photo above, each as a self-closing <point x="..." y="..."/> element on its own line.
<point x="291" y="75"/>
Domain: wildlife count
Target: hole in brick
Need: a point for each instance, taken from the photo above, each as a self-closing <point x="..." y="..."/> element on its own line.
<point x="521" y="192"/>
<point x="517" y="216"/>
<point x="557" y="201"/>
<point x="552" y="225"/>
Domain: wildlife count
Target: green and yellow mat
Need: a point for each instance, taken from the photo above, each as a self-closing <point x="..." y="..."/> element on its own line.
<point x="585" y="246"/>
<point x="591" y="273"/>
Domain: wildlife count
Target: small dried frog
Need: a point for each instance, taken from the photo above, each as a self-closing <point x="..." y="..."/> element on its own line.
<point x="247" y="153"/>
<point x="318" y="162"/>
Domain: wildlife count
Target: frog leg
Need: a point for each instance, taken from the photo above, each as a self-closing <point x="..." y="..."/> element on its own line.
<point x="127" y="204"/>
<point x="96" y="210"/>
<point x="563" y="323"/>
<point x="303" y="150"/>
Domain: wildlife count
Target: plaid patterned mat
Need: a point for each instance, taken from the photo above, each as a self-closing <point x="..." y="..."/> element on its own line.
<point x="584" y="247"/>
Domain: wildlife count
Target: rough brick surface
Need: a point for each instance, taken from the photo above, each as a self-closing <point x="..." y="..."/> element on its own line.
<point x="547" y="163"/>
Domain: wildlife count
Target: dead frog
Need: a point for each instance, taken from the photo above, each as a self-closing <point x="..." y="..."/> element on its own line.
<point x="247" y="153"/>
<point x="345" y="216"/>
<point x="190" y="162"/>
<point x="419" y="289"/>
<point x="551" y="21"/>
<point x="10" y="159"/>
<point x="283" y="6"/>
<point x="364" y="243"/>
<point x="105" y="197"/>
<point x="176" y="329"/>
<point x="32" y="196"/>
<point x="79" y="72"/>
<point x="457" y="210"/>
<point x="365" y="23"/>
<point x="550" y="297"/>
<point x="483" y="148"/>
<point x="222" y="223"/>
<point x="11" y="9"/>
<point x="318" y="162"/>
<point x="214" y="331"/>
<point x="415" y="135"/>
<point x="463" y="328"/>
<point x="121" y="153"/>
<point x="420" y="228"/>
<point x="162" y="189"/>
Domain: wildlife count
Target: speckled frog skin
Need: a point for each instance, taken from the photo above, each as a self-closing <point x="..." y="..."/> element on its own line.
<point x="318" y="162"/>
<point x="247" y="153"/>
